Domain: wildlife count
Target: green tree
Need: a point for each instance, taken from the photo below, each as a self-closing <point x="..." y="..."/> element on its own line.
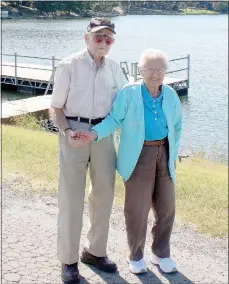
<point x="210" y="6"/>
<point x="224" y="7"/>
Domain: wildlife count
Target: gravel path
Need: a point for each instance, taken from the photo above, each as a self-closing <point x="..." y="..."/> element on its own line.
<point x="29" y="246"/>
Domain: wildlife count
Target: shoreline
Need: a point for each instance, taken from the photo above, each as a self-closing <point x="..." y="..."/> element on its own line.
<point x="39" y="17"/>
<point x="23" y="12"/>
<point x="44" y="124"/>
<point x="70" y="11"/>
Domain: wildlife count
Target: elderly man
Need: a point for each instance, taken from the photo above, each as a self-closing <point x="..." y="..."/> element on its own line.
<point x="150" y="118"/>
<point x="86" y="84"/>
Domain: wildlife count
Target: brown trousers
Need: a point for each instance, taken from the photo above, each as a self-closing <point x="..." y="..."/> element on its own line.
<point x="149" y="186"/>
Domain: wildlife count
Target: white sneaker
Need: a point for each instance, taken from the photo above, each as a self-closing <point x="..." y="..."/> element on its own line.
<point x="137" y="267"/>
<point x="167" y="265"/>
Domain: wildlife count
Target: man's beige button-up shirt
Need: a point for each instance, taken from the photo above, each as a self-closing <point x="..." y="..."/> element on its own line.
<point x="81" y="90"/>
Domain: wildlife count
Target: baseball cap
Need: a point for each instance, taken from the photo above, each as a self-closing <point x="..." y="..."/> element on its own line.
<point x="97" y="24"/>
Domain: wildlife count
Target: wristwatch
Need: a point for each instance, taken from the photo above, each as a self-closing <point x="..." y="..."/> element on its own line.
<point x="95" y="134"/>
<point x="63" y="132"/>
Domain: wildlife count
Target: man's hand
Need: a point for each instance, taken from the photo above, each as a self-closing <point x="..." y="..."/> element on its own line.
<point x="89" y="135"/>
<point x="79" y="138"/>
<point x="76" y="139"/>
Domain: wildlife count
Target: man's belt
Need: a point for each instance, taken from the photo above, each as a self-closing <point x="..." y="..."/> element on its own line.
<point x="156" y="142"/>
<point x="93" y="121"/>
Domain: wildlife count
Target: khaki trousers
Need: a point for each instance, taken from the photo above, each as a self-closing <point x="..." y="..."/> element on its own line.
<point x="100" y="157"/>
<point x="150" y="186"/>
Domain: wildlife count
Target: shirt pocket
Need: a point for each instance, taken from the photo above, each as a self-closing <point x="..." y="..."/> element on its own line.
<point x="77" y="84"/>
<point x="111" y="84"/>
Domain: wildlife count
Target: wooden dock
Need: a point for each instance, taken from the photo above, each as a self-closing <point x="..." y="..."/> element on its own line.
<point x="27" y="77"/>
<point x="26" y="72"/>
<point x="39" y="79"/>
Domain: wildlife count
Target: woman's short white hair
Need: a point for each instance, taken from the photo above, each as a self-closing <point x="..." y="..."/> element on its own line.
<point x="153" y="54"/>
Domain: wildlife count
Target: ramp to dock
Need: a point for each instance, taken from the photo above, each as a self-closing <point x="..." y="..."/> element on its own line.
<point x="39" y="104"/>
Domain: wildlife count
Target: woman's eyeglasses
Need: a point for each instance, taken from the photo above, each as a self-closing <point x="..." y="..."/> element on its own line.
<point x="158" y="71"/>
<point x="108" y="39"/>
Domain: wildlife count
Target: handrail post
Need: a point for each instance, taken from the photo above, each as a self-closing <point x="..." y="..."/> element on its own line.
<point x="135" y="72"/>
<point x="188" y="75"/>
<point x="127" y="68"/>
<point x="53" y="64"/>
<point x="15" y="68"/>
<point x="49" y="83"/>
<point x="132" y="69"/>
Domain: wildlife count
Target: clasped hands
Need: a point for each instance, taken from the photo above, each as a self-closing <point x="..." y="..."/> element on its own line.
<point x="80" y="138"/>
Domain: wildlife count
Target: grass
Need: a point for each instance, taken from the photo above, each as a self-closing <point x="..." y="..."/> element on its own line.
<point x="29" y="121"/>
<point x="202" y="195"/>
<point x="189" y="11"/>
<point x="201" y="185"/>
<point x="31" y="153"/>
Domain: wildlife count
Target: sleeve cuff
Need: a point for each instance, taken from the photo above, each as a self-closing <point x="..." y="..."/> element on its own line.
<point x="54" y="104"/>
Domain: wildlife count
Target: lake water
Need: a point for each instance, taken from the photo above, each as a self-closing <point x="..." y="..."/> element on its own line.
<point x="205" y="38"/>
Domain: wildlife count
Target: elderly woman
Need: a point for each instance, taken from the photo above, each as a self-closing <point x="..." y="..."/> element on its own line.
<point x="149" y="116"/>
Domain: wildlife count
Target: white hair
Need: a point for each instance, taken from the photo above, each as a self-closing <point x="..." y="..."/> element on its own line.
<point x="153" y="54"/>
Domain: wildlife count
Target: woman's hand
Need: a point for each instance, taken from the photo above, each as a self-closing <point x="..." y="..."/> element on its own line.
<point x="80" y="138"/>
<point x="89" y="135"/>
<point x="76" y="139"/>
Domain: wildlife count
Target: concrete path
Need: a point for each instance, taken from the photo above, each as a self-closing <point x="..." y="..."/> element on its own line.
<point x="29" y="246"/>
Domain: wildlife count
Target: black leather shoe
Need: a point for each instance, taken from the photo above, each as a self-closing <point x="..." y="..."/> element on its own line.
<point x="102" y="263"/>
<point x="70" y="273"/>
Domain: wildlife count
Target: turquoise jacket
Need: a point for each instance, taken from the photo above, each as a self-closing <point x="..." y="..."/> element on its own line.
<point x="127" y="113"/>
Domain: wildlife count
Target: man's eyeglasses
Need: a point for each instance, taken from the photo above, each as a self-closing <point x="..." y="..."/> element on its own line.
<point x="99" y="38"/>
<point x="158" y="71"/>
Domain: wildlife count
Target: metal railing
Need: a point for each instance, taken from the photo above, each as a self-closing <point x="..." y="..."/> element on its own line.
<point x="187" y="58"/>
<point x="134" y="70"/>
<point x="17" y="66"/>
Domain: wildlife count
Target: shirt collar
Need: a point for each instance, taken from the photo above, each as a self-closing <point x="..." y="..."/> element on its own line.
<point x="146" y="95"/>
<point x="90" y="59"/>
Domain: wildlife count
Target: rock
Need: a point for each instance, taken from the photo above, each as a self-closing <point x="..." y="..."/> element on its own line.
<point x="12" y="277"/>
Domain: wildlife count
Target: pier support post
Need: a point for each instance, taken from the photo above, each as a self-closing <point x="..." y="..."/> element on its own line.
<point x="135" y="72"/>
<point x="15" y="68"/>
<point x="53" y="64"/>
<point x="188" y="75"/>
